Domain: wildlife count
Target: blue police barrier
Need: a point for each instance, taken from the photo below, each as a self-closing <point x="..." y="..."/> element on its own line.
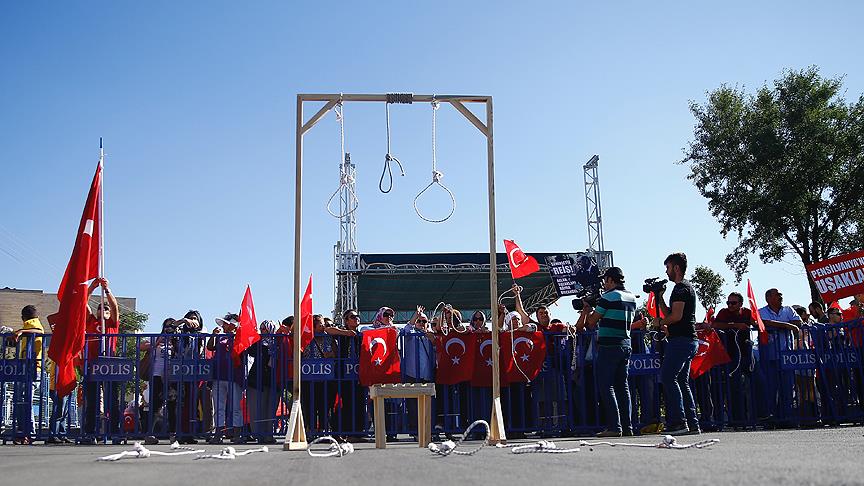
<point x="190" y="386"/>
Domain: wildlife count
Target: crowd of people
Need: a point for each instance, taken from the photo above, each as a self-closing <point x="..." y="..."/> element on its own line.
<point x="247" y="396"/>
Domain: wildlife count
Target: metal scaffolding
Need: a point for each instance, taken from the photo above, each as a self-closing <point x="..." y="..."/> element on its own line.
<point x="346" y="257"/>
<point x="594" y="213"/>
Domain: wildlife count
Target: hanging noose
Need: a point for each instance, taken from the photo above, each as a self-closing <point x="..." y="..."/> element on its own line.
<point x="389" y="158"/>
<point x="436" y="175"/>
<point x="346" y="179"/>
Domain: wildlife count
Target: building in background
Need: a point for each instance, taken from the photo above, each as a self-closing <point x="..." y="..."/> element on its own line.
<point x="13" y="300"/>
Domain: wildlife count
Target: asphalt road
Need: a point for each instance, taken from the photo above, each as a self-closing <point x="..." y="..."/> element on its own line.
<point x="825" y="456"/>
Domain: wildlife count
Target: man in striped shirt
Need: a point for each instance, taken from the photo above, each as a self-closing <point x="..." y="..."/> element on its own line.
<point x="614" y="314"/>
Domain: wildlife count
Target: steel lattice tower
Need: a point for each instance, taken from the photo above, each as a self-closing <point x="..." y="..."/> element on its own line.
<point x="593" y="212"/>
<point x="346" y="257"/>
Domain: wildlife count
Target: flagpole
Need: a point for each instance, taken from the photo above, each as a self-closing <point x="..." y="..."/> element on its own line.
<point x="102" y="240"/>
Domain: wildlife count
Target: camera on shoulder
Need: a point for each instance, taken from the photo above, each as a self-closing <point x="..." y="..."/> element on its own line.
<point x="588" y="294"/>
<point x="654" y="284"/>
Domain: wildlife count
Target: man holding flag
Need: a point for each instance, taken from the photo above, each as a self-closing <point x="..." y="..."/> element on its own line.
<point x="103" y="321"/>
<point x="74" y="318"/>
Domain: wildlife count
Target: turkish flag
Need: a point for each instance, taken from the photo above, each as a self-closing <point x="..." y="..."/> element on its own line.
<point x="483" y="358"/>
<point x="754" y="310"/>
<point x="711" y="353"/>
<point x="527" y="353"/>
<point x="651" y="306"/>
<point x="455" y="353"/>
<point x="70" y="322"/>
<point x="247" y="331"/>
<point x="521" y="264"/>
<point x="379" y="357"/>
<point x="307" y="332"/>
<point x="709" y="316"/>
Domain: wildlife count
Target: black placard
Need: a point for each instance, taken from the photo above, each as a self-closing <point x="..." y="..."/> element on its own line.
<point x="562" y="269"/>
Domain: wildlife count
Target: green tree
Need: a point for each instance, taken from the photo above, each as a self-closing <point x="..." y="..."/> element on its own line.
<point x="708" y="285"/>
<point x="132" y="321"/>
<point x="782" y="169"/>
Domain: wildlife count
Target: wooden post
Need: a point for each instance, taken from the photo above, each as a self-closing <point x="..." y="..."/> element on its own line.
<point x="496" y="423"/>
<point x="296" y="436"/>
<point x="296" y="439"/>
<point x="380" y="424"/>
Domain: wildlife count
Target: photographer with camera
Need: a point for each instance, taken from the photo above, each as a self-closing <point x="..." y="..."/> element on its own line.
<point x="614" y="315"/>
<point x="680" y="325"/>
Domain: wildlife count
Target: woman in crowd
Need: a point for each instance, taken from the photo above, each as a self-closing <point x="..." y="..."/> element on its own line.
<point x="317" y="402"/>
<point x="259" y="397"/>
<point x="227" y="382"/>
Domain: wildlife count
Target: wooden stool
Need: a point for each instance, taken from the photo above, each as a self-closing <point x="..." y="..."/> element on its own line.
<point x="421" y="391"/>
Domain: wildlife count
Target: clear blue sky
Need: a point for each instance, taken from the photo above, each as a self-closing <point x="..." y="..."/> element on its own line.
<point x="195" y="101"/>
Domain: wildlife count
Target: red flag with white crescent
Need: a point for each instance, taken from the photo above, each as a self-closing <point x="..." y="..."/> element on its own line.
<point x="455" y="353"/>
<point x="70" y="322"/>
<point x="247" y="331"/>
<point x="521" y="265"/>
<point x="483" y="358"/>
<point x="307" y="332"/>
<point x="379" y="357"/>
<point x="523" y="361"/>
<point x="754" y="310"/>
<point x="711" y="353"/>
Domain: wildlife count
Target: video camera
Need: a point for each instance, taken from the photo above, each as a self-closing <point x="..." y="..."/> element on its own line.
<point x="654" y="284"/>
<point x="588" y="294"/>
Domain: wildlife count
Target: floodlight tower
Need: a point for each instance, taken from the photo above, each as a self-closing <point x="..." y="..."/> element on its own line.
<point x="593" y="211"/>
<point x="346" y="257"/>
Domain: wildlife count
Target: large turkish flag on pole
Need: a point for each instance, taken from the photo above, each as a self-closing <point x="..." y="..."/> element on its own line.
<point x="70" y="322"/>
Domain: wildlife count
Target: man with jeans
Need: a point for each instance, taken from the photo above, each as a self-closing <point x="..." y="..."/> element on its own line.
<point x="734" y="323"/>
<point x="680" y="327"/>
<point x="614" y="313"/>
<point x="776" y="384"/>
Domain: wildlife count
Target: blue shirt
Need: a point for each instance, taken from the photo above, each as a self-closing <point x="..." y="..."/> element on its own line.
<point x="418" y="362"/>
<point x="778" y="339"/>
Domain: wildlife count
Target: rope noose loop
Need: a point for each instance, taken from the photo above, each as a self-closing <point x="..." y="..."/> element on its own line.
<point x="389" y="157"/>
<point x="436" y="176"/>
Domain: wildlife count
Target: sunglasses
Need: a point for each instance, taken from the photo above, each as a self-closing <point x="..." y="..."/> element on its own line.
<point x="353" y="316"/>
<point x="387" y="314"/>
<point x="835" y="313"/>
<point x="476" y="318"/>
<point x="422" y="321"/>
<point x="733" y="302"/>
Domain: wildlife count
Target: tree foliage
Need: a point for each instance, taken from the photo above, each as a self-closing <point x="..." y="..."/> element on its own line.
<point x="132" y="321"/>
<point x="782" y="169"/>
<point x="708" y="285"/>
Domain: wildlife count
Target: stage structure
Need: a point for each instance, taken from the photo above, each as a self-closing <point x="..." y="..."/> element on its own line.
<point x="296" y="437"/>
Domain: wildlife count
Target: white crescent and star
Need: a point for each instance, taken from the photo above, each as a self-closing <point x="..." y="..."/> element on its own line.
<point x="483" y="345"/>
<point x="457" y="341"/>
<point x="524" y="340"/>
<point x="378" y="361"/>
<point x="88" y="227"/>
<point x="512" y="259"/>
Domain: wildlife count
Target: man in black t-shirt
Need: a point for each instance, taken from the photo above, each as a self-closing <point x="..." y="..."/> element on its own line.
<point x="680" y="323"/>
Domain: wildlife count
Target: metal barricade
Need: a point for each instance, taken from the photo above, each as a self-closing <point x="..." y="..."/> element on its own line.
<point x="191" y="386"/>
